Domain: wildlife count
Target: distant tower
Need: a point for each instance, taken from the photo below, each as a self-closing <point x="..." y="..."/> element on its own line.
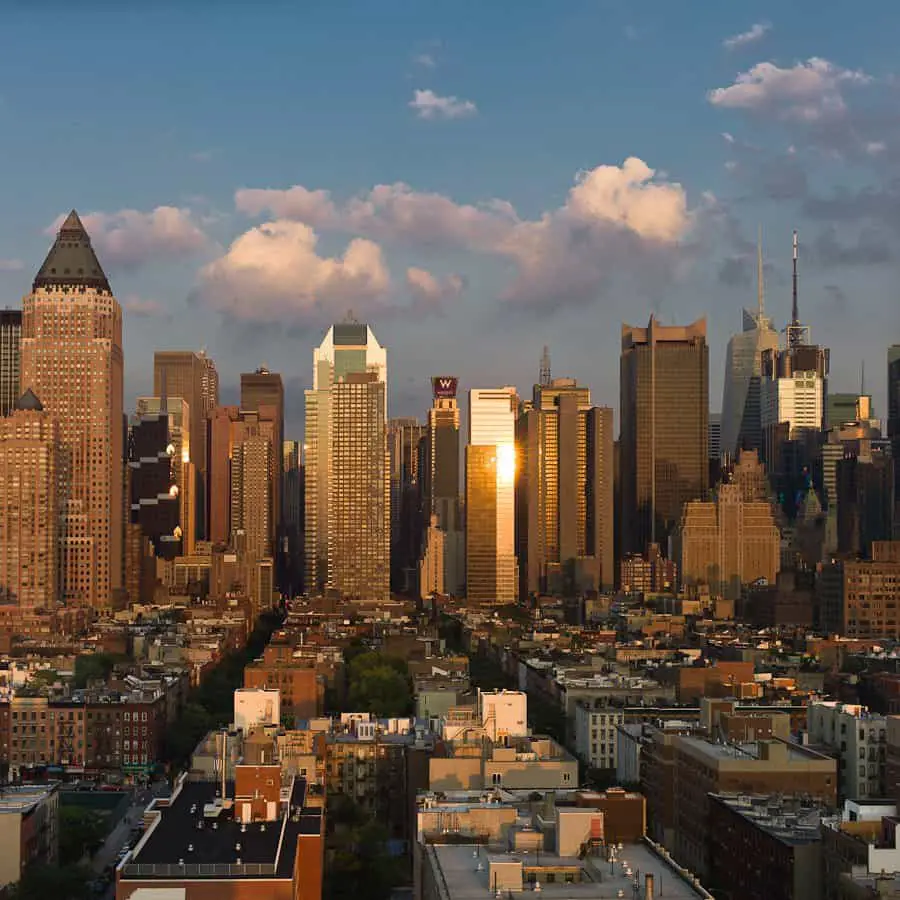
<point x="797" y="334"/>
<point x="545" y="367"/>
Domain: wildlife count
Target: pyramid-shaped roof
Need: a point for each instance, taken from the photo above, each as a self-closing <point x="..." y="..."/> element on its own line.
<point x="71" y="261"/>
<point x="29" y="401"/>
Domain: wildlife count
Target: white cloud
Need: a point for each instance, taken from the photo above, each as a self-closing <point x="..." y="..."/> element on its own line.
<point x="130" y="238"/>
<point x="426" y="60"/>
<point x="631" y="33"/>
<point x="753" y="34"/>
<point x="728" y="137"/>
<point x="613" y="217"/>
<point x="11" y="265"/>
<point x="429" y="291"/>
<point x="875" y="148"/>
<point x="429" y="105"/>
<point x="313" y="207"/>
<point x="273" y="273"/>
<point x="808" y="91"/>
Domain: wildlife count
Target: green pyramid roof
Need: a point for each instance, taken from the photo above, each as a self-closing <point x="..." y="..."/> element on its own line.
<point x="71" y="261"/>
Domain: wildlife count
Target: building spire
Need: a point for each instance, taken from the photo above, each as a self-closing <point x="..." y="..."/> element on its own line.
<point x="545" y="366"/>
<point x="760" y="284"/>
<point x="794" y="332"/>
<point x="71" y="261"/>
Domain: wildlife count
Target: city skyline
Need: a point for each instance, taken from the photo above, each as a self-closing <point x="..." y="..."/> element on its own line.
<point x="784" y="128"/>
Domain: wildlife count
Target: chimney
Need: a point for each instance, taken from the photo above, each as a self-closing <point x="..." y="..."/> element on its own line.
<point x="648" y="886"/>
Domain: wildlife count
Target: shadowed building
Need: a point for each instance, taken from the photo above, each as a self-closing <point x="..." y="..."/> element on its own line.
<point x="10" y="357"/>
<point x="403" y="437"/>
<point x="894" y="426"/>
<point x="564" y="515"/>
<point x="72" y="359"/>
<point x="664" y="412"/>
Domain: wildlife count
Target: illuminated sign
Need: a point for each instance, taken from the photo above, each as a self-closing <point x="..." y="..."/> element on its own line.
<point x="444" y="386"/>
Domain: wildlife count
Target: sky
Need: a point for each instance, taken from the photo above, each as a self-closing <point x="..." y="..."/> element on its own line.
<point x="473" y="179"/>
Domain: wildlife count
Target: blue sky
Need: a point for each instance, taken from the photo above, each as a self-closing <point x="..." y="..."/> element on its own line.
<point x="459" y="176"/>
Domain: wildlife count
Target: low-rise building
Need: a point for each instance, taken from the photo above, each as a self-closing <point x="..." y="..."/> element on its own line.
<point x="596" y="735"/>
<point x="29" y="829"/>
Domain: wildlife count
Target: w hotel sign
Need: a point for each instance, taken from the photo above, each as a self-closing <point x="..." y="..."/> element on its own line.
<point x="444" y="387"/>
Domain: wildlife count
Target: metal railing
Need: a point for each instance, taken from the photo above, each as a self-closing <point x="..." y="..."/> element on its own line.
<point x="136" y="871"/>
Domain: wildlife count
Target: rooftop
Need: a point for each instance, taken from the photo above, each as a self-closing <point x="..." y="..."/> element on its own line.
<point x="23" y="798"/>
<point x="185" y="841"/>
<point x="71" y="261"/>
<point x="789" y="820"/>
<point x="457" y="870"/>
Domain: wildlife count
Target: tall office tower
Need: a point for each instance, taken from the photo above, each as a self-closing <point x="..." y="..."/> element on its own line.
<point x="794" y="387"/>
<point x="865" y="493"/>
<point x="30" y="514"/>
<point x="252" y="489"/>
<point x="163" y="475"/>
<point x="564" y="488"/>
<point x="741" y="424"/>
<point x="263" y="392"/>
<point x="10" y="338"/>
<point x="491" y="568"/>
<point x="404" y="436"/>
<point x="664" y="411"/>
<point x="72" y="360"/>
<point x="714" y="446"/>
<point x="728" y="542"/>
<point x="220" y="436"/>
<point x="192" y="376"/>
<point x="893" y="426"/>
<point x="291" y="549"/>
<point x="347" y="496"/>
<point x="440" y="484"/>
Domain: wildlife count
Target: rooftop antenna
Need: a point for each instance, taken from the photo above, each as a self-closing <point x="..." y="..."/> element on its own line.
<point x="794" y="330"/>
<point x="545" y="366"/>
<point x="760" y="284"/>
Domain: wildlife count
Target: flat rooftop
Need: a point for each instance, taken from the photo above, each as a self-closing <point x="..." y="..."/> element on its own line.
<point x="457" y="866"/>
<point x="22" y="798"/>
<point x="749" y="751"/>
<point x="185" y="842"/>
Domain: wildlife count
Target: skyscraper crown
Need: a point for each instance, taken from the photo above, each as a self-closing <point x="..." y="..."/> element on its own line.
<point x="71" y="261"/>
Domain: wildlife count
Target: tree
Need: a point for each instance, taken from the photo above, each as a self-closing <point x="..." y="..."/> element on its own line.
<point x="41" y="881"/>
<point x="382" y="691"/>
<point x="360" y="866"/>
<point x="81" y="831"/>
<point x="93" y="667"/>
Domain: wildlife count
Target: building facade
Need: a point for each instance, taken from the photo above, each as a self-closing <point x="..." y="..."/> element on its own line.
<point x="893" y="426"/>
<point x="347" y="468"/>
<point x="596" y="735"/>
<point x="491" y="567"/>
<point x="72" y="359"/>
<point x="30" y="469"/>
<point x="10" y="358"/>
<point x="664" y="408"/>
<point x="564" y="492"/>
<point x="871" y="595"/>
<point x="404" y="436"/>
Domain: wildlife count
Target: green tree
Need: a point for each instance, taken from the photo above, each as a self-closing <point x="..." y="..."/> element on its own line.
<point x="40" y="882"/>
<point x="382" y="691"/>
<point x="81" y="831"/>
<point x="360" y="867"/>
<point x="93" y="667"/>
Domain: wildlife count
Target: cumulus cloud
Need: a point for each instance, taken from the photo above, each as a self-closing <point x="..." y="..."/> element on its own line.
<point x="144" y="307"/>
<point x="807" y="92"/>
<point x="129" y="238"/>
<point x="753" y="34"/>
<point x="613" y="217"/>
<point x="429" y="292"/>
<point x="274" y="273"/>
<point x="429" y="105"/>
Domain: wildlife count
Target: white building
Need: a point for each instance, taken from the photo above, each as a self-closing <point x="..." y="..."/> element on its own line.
<point x="860" y="740"/>
<point x="596" y="735"/>
<point x="503" y="714"/>
<point x="256" y="706"/>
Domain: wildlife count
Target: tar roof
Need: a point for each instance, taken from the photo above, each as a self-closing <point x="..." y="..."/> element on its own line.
<point x="185" y="834"/>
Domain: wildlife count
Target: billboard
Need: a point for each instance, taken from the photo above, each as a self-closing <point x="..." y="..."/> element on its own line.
<point x="444" y="386"/>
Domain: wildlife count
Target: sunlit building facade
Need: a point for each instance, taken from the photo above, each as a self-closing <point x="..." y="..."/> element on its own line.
<point x="491" y="567"/>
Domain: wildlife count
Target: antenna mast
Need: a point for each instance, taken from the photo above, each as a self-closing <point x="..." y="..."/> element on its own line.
<point x="760" y="284"/>
<point x="794" y="335"/>
<point x="545" y="366"/>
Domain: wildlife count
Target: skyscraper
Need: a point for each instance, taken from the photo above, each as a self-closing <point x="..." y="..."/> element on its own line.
<point x="291" y="545"/>
<point x="72" y="360"/>
<point x="347" y="496"/>
<point x="664" y="411"/>
<point x="440" y="485"/>
<point x="29" y="505"/>
<point x="262" y="392"/>
<point x="403" y="437"/>
<point x="741" y="425"/>
<point x="220" y="438"/>
<point x="491" y="569"/>
<point x="564" y="486"/>
<point x="893" y="428"/>
<point x="192" y="376"/>
<point x="252" y="489"/>
<point x="794" y="388"/>
<point x="10" y="343"/>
